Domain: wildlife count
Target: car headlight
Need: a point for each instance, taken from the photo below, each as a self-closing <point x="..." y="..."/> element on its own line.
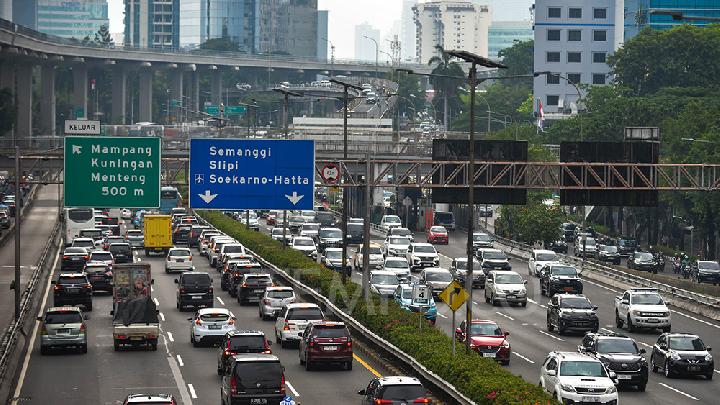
<point x="567" y="388"/>
<point x="708" y="357"/>
<point x="674" y="356"/>
<point x="523" y="291"/>
<point x="611" y="390"/>
<point x="505" y="344"/>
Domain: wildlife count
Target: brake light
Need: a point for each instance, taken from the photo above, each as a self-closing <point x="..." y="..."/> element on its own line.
<point x="182" y="291"/>
<point x="286" y="327"/>
<point x="198" y="322"/>
<point x="311" y="344"/>
<point x="383" y="402"/>
<point x="66" y="257"/>
<point x="348" y="344"/>
<point x="231" y="321"/>
<point x="57" y="287"/>
<point x="168" y="258"/>
<point x="87" y="286"/>
<point x="122" y="337"/>
<point x="267" y="348"/>
<point x="210" y="290"/>
<point x="86" y="257"/>
<point x="244" y="285"/>
<point x="422" y="401"/>
<point x="233" y="386"/>
<point x="282" y="384"/>
<point x="190" y="258"/>
<point x="82" y="327"/>
<point x="266" y="301"/>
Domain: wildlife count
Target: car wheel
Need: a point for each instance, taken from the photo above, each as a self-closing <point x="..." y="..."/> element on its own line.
<point x="550" y="326"/>
<point x="641" y="387"/>
<point x="667" y="329"/>
<point x="283" y="344"/>
<point x="44" y="350"/>
<point x="349" y="365"/>
<point x="653" y="366"/>
<point x="308" y="365"/>
<point x="88" y="307"/>
<point x="494" y="301"/>
<point x="487" y="299"/>
<point x="523" y="304"/>
<point x="116" y="345"/>
<point x="83" y="348"/>
<point x="153" y="347"/>
<point x="709" y="375"/>
<point x="505" y="362"/>
<point x="630" y="326"/>
<point x="667" y="371"/>
<point x="302" y="362"/>
<point x="618" y="321"/>
<point x="277" y="338"/>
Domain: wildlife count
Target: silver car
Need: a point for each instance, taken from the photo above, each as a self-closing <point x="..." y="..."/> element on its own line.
<point x="273" y="300"/>
<point x="63" y="327"/>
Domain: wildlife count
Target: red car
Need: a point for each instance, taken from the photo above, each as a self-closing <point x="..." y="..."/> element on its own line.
<point x="326" y="342"/>
<point x="438" y="234"/>
<point x="487" y="339"/>
<point x="270" y="220"/>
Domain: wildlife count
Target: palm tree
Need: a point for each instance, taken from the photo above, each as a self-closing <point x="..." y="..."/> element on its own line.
<point x="445" y="87"/>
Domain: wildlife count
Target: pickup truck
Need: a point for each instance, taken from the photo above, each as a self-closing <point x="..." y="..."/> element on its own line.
<point x="135" y="316"/>
<point x="642" y="308"/>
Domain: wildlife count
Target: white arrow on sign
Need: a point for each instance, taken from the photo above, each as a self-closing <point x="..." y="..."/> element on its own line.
<point x="76" y="149"/>
<point x="207" y="197"/>
<point x="294" y="198"/>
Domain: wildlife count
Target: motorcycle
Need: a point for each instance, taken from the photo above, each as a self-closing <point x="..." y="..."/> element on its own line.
<point x="660" y="260"/>
<point x="676" y="266"/>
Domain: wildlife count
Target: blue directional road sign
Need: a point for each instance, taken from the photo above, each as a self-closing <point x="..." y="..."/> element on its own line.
<point x="237" y="174"/>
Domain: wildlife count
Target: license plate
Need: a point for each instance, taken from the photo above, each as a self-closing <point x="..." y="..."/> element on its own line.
<point x="568" y="288"/>
<point x="180" y="260"/>
<point x="75" y="258"/>
<point x="136" y="338"/>
<point x="213" y="326"/>
<point x="72" y="291"/>
<point x="63" y="331"/>
<point x="510" y="296"/>
<point x="489" y="355"/>
<point x="330" y="348"/>
<point x="652" y="320"/>
<point x="196" y="297"/>
<point x="258" y="401"/>
<point x="624" y="377"/>
<point x="693" y="368"/>
<point x="589" y="399"/>
<point x="259" y="290"/>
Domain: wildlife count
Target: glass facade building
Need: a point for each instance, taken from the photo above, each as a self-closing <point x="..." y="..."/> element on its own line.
<point x="152" y="23"/>
<point x="201" y="20"/>
<point x="72" y="19"/>
<point x="503" y="34"/>
<point x="638" y="14"/>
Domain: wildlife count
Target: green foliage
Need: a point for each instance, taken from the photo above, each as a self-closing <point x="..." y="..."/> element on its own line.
<point x="482" y="380"/>
<point x="503" y="101"/>
<point x="519" y="60"/>
<point x="220" y="44"/>
<point x="103" y="38"/>
<point x="530" y="223"/>
<point x="445" y="87"/>
<point x="8" y="110"/>
<point x="411" y="96"/>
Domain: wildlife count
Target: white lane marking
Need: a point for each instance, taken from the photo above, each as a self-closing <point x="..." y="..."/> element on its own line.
<point x="292" y="388"/>
<point x="157" y="303"/>
<point x="179" y="360"/>
<point x="179" y="381"/>
<point x="31" y="346"/>
<point x="439" y="313"/>
<point x="170" y="337"/>
<point x="152" y="289"/>
<point x="475" y="302"/>
<point x="523" y="357"/>
<point x="162" y="316"/>
<point x="506" y="316"/>
<point x="695" y="319"/>
<point x="532" y="301"/>
<point x="192" y="391"/>
<point x="549" y="335"/>
<point x="685" y="394"/>
<point x="220" y="301"/>
<point x="139" y="259"/>
<point x="601" y="286"/>
<point x="717" y="371"/>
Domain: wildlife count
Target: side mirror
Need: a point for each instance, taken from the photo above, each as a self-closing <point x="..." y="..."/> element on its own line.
<point x="525" y="282"/>
<point x="269" y="343"/>
<point x="507" y="333"/>
<point x="459" y="331"/>
<point x="86" y="317"/>
<point x="40" y="318"/>
<point x="152" y="281"/>
<point x="663" y="346"/>
<point x="708" y="349"/>
<point x="642" y="351"/>
<point x="551" y="373"/>
<point x="189" y="319"/>
<point x="625" y="302"/>
<point x="176" y="281"/>
<point x="361" y="392"/>
<point x="53" y="282"/>
<point x="612" y="375"/>
<point x="595" y="307"/>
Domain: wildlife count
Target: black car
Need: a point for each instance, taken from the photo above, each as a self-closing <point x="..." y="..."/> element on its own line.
<point x="329" y="237"/>
<point x="559" y="246"/>
<point x="626" y="245"/>
<point x="571" y="312"/>
<point x="326" y="219"/>
<point x="355" y="234"/>
<point x="608" y="253"/>
<point x="74" y="259"/>
<point x="644" y="261"/>
<point x="706" y="271"/>
<point x="251" y="287"/>
<point x="72" y="289"/>
<point x="568" y="231"/>
<point x="458" y="268"/>
<point x="252" y="379"/>
<point x="181" y="234"/>
<point x="100" y="276"/>
<point x="241" y="342"/>
<point x="559" y="278"/>
<point x="122" y="252"/>
<point x="235" y="272"/>
<point x="4" y="220"/>
<point x="194" y="235"/>
<point x="620" y="354"/>
<point x="194" y="289"/>
<point x="682" y="354"/>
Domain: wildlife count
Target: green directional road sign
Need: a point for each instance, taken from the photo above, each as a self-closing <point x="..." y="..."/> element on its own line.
<point x="212" y="109"/>
<point x="112" y="172"/>
<point x="235" y="109"/>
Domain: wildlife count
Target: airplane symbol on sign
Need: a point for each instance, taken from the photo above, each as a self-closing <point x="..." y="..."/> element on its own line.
<point x="199" y="178"/>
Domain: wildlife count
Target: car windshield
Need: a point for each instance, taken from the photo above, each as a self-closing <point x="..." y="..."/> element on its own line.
<point x="582" y="369"/>
<point x="296" y="219"/>
<point x="485" y="329"/>
<point x="575" y="303"/>
<point x="438" y="276"/>
<point x="258" y="280"/>
<point x="462" y="264"/>
<point x="424" y="249"/>
<point x="327" y="331"/>
<point x="280" y="294"/>
<point x="303" y="242"/>
<point x="508" y="279"/>
<point x="401" y="232"/>
<point x="63" y="317"/>
<point x="399" y="241"/>
<point x="686" y="343"/>
<point x="96" y="233"/>
<point x="119" y="247"/>
<point x="709" y="265"/>
<point x="134" y="233"/>
<point x="251" y="375"/>
<point x="643" y="256"/>
<point x="646" y="299"/>
<point x="305" y="314"/>
<point x="384" y="279"/>
<point x="333" y="254"/>
<point x="482" y="237"/>
<point x="494" y="255"/>
<point x="443" y="216"/>
<point x="546" y="257"/>
<point x="310" y="227"/>
<point x="214" y="317"/>
<point x="588" y="242"/>
<point x="563" y="271"/>
<point x="72" y="280"/>
<point x="403" y="392"/>
<point x="396" y="264"/>
<point x="392" y="219"/>
<point x="355" y="229"/>
<point x="179" y="252"/>
<point x="247" y="344"/>
<point x="94" y="268"/>
<point x="627" y="242"/>
<point x="330" y="233"/>
<point x="610" y="249"/>
<point x="616" y="346"/>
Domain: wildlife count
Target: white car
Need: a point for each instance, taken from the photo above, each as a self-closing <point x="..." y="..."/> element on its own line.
<point x="421" y="255"/>
<point x="310" y="230"/>
<point x="396" y="246"/>
<point x="539" y="259"/>
<point x="293" y="319"/>
<point x="305" y="245"/>
<point x="493" y="259"/>
<point x="436" y="278"/>
<point x="277" y="234"/>
<point x="209" y="325"/>
<point x="404" y="232"/>
<point x="101" y="256"/>
<point x="375" y="256"/>
<point x="87" y="243"/>
<point x="586" y="247"/>
<point x="507" y="286"/>
<point x="383" y="282"/>
<point x="126" y="213"/>
<point x="273" y="300"/>
<point x="390" y="221"/>
<point x="399" y="266"/>
<point x="642" y="308"/>
<point x="179" y="259"/>
<point x="577" y="378"/>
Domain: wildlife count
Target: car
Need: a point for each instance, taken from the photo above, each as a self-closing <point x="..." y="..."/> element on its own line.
<point x="210" y="325"/>
<point x="507" y="286"/>
<point x="644" y="261"/>
<point x="72" y="289"/>
<point x="63" y="327"/>
<point x="626" y="245"/>
<point x="567" y="231"/>
<point x="438" y="234"/>
<point x="482" y="240"/>
<point x="135" y="238"/>
<point x="74" y="258"/>
<point x="375" y="257"/>
<point x="251" y="287"/>
<point x="585" y="246"/>
<point x="295" y="223"/>
<point x="355" y="233"/>
<point x="326" y="342"/>
<point x="436" y="278"/>
<point x="390" y="221"/>
<point x="329" y="238"/>
<point x="178" y="260"/>
<point x="213" y="251"/>
<point x="309" y="229"/>
<point x="262" y="372"/>
<point x="399" y="266"/>
<point x="493" y="259"/>
<point x="444" y="219"/>
<point x="100" y="276"/>
<point x="706" y="271"/>
<point x="642" y="307"/>
<point x="4" y="220"/>
<point x="237" y="342"/>
<point x="421" y="255"/>
<point x="682" y="354"/>
<point x="538" y="259"/>
<point x="305" y="245"/>
<point x="293" y="319"/>
<point x="204" y="240"/>
<point x="571" y="312"/>
<point x="487" y="339"/>
<point x="383" y="282"/>
<point x="620" y="354"/>
<point x="277" y="234"/>
<point x="332" y="259"/>
<point x="154" y="399"/>
<point x="404" y="232"/>
<point x="403" y="296"/>
<point x="576" y="378"/>
<point x="228" y="249"/>
<point x="87" y="243"/>
<point x="608" y="253"/>
<point x="396" y="246"/>
<point x="235" y="269"/>
<point x="194" y="289"/>
<point x="395" y="390"/>
<point x="121" y="252"/>
<point x="326" y="219"/>
<point x="194" y="236"/>
<point x="251" y="220"/>
<point x="181" y="233"/>
<point x="110" y="240"/>
<point x="485" y="211"/>
<point x="458" y="268"/>
<point x="101" y="256"/>
<point x="273" y="300"/>
<point x="559" y="277"/>
<point x="558" y="246"/>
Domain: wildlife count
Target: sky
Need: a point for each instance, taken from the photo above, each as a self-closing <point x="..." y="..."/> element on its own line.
<point x="344" y="15"/>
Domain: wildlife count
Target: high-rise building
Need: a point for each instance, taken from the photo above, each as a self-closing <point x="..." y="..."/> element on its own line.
<point x="68" y="19"/>
<point x="503" y="34"/>
<point x="201" y="20"/>
<point x="25" y="13"/>
<point x="637" y="15"/>
<point x="6" y="9"/>
<point x="573" y="39"/>
<point x="508" y="10"/>
<point x="322" y="35"/>
<point x="285" y="27"/>
<point x="407" y="31"/>
<point x="152" y="23"/>
<point x="458" y="24"/>
<point x="366" y="37"/>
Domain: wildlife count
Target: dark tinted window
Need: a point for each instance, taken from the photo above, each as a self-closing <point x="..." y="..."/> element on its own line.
<point x="234" y="249"/>
<point x="335" y="331"/>
<point x="304" y="314"/>
<point x="280" y="294"/>
<point x="355" y="229"/>
<point x="63" y="317"/>
<point x="247" y="343"/>
<point x="258" y="375"/>
<point x="90" y="233"/>
<point x="119" y="248"/>
<point x="402" y="392"/>
<point x="210" y="317"/>
<point x="575" y="12"/>
<point x="324" y="217"/>
<point x="444" y="217"/>
<point x="258" y="280"/>
<point x="68" y="280"/>
<point x="168" y="194"/>
<point x="75" y="250"/>
<point x="202" y="279"/>
<point x="80" y="214"/>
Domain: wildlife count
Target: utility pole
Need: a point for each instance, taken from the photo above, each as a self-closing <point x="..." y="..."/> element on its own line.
<point x="18" y="202"/>
<point x="286" y="95"/>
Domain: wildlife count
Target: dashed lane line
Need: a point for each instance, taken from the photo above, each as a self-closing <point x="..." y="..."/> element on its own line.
<point x="192" y="391"/>
<point x="180" y="382"/>
<point x="532" y="301"/>
<point x="551" y="336"/>
<point x="292" y="389"/>
<point x="695" y="319"/>
<point x="170" y="337"/>
<point x="505" y="316"/>
<point x="157" y="303"/>
<point x="162" y="316"/>
<point x="523" y="357"/>
<point x="220" y="301"/>
<point x="685" y="394"/>
<point x="180" y="361"/>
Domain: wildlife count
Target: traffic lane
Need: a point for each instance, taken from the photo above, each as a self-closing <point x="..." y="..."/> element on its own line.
<point x="199" y="369"/>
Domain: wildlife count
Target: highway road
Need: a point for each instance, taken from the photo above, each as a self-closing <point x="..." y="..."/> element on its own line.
<point x="103" y="376"/>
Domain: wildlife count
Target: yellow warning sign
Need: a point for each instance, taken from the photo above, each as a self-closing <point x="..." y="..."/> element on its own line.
<point x="454" y="295"/>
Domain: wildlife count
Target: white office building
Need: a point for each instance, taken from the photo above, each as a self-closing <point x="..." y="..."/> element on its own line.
<point x="573" y="39"/>
<point x="453" y="25"/>
<point x="407" y="31"/>
<point x="367" y="38"/>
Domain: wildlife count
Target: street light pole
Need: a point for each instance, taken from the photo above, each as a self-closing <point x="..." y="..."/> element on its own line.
<point x="377" y="52"/>
<point x="18" y="221"/>
<point x="286" y="95"/>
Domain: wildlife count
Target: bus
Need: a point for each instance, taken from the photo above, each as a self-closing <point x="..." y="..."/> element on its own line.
<point x="77" y="219"/>
<point x="169" y="199"/>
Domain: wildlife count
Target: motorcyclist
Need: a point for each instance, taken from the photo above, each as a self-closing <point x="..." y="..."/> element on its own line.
<point x="685" y="266"/>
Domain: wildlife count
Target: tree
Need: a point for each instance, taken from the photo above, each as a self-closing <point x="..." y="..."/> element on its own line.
<point x="220" y="44"/>
<point x="411" y="97"/>
<point x="103" y="38"/>
<point x="519" y="60"/>
<point x="531" y="223"/>
<point x="445" y="87"/>
<point x="8" y="111"/>
<point x="503" y="101"/>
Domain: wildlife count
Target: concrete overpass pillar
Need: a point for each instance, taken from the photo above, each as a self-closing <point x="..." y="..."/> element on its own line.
<point x="7" y="76"/>
<point x="24" y="101"/>
<point x="47" y="100"/>
<point x="195" y="91"/>
<point x="80" y="94"/>
<point x="145" y="102"/>
<point x="216" y="86"/>
<point x="176" y="92"/>
<point x="119" y="95"/>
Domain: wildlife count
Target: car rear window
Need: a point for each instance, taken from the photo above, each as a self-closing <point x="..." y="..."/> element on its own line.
<point x="96" y="269"/>
<point x="83" y="243"/>
<point x="304" y="314"/>
<point x="234" y="249"/>
<point x="91" y="234"/>
<point x="201" y="279"/>
<point x="326" y="331"/>
<point x="258" y="375"/>
<point x="247" y="343"/>
<point x="280" y="294"/>
<point x="258" y="280"/>
<point x="74" y="280"/>
<point x="75" y="250"/>
<point x="180" y="252"/>
<point x="100" y="256"/>
<point x="403" y="392"/>
<point x="214" y="317"/>
<point x="63" y="317"/>
<point x="116" y="247"/>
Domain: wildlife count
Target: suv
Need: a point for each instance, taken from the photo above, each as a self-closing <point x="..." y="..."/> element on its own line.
<point x="585" y="246"/>
<point x="421" y="255"/>
<point x="493" y="259"/>
<point x="252" y="379"/>
<point x="63" y="327"/>
<point x="392" y="390"/>
<point x="252" y="286"/>
<point x="121" y="252"/>
<point x="194" y="236"/>
<point x="481" y="240"/>
<point x="72" y="289"/>
<point x="329" y="238"/>
<point x="404" y="232"/>
<point x="539" y="259"/>
<point x="506" y="286"/>
<point x="239" y="342"/>
<point x="608" y="253"/>
<point x="100" y="276"/>
<point x="570" y="312"/>
<point x="326" y="342"/>
<point x="558" y="277"/>
<point x="626" y="245"/>
<point x="74" y="258"/>
<point x="273" y="300"/>
<point x="445" y="219"/>
<point x="706" y="271"/>
<point x="325" y="219"/>
<point x="642" y="308"/>
<point x="375" y="257"/>
<point x="573" y="377"/>
<point x="390" y="221"/>
<point x="194" y="289"/>
<point x="644" y="261"/>
<point x="682" y="353"/>
<point x="458" y="268"/>
<point x="620" y="354"/>
<point x="293" y="320"/>
<point x="436" y="278"/>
